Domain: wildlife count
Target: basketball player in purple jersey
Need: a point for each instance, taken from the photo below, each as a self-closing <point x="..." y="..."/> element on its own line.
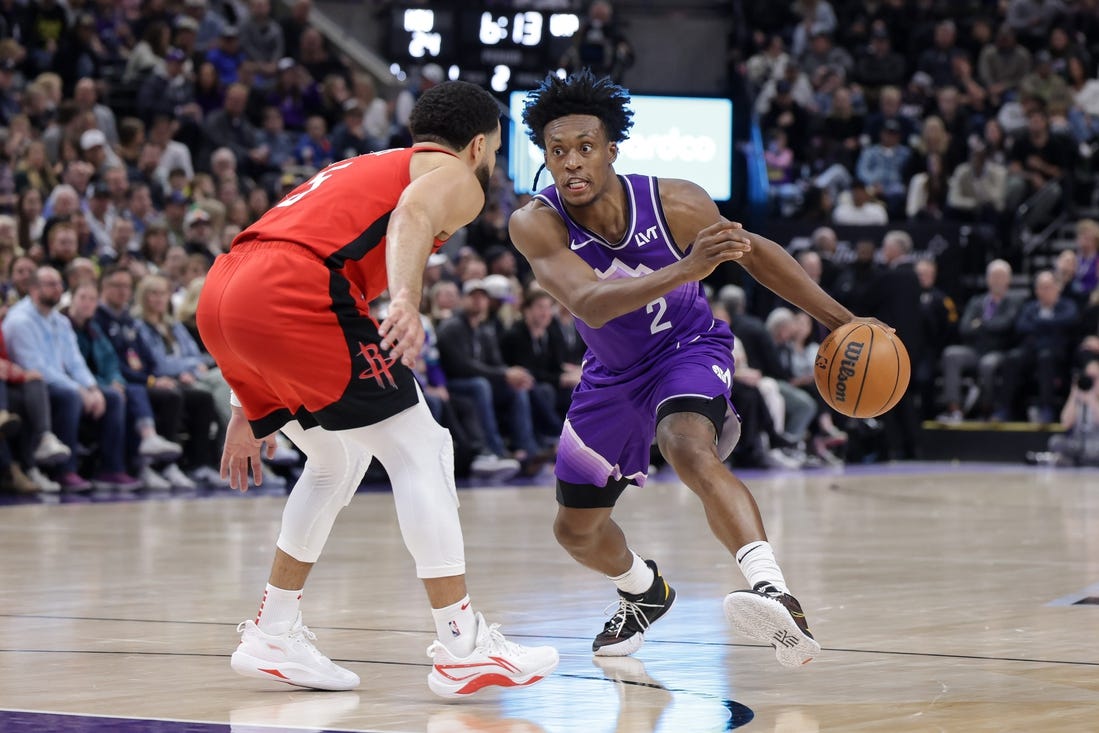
<point x="625" y="254"/>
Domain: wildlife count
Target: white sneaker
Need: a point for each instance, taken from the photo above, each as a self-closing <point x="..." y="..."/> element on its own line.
<point x="44" y="482"/>
<point x="51" y="450"/>
<point x="494" y="661"/>
<point x="159" y="448"/>
<point x="290" y="658"/>
<point x="489" y="466"/>
<point x="153" y="481"/>
<point x="174" y="475"/>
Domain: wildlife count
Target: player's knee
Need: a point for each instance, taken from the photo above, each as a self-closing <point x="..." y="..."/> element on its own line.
<point x="575" y="532"/>
<point x="689" y="456"/>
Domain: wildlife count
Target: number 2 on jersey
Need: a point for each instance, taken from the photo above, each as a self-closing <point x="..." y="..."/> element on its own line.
<point x="660" y="306"/>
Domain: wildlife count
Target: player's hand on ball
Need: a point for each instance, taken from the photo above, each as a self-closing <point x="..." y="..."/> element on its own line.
<point x="875" y="322"/>
<point x="722" y="241"/>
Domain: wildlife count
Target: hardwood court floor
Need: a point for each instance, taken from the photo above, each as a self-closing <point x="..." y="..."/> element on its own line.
<point x="944" y="596"/>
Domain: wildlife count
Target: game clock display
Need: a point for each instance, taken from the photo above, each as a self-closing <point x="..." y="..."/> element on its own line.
<point x="501" y="45"/>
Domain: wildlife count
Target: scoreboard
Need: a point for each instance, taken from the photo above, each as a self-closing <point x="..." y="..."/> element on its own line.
<point x="502" y="45"/>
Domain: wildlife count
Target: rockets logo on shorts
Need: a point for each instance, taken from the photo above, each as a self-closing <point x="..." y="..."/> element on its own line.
<point x="377" y="366"/>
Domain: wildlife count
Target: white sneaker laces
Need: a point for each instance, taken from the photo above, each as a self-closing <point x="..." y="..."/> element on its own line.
<point x="627" y="608"/>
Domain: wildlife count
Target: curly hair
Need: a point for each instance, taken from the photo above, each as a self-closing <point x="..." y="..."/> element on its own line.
<point x="581" y="93"/>
<point x="452" y="114"/>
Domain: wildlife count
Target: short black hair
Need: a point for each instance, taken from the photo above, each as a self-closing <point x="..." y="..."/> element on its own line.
<point x="452" y="114"/>
<point x="580" y="93"/>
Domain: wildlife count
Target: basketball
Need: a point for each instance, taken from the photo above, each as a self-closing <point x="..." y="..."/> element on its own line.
<point x="862" y="370"/>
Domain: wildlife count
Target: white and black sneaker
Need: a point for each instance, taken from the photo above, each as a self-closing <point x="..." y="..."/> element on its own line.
<point x="769" y="616"/>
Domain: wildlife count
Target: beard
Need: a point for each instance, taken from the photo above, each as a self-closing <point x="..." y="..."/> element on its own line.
<point x="49" y="301"/>
<point x="483" y="176"/>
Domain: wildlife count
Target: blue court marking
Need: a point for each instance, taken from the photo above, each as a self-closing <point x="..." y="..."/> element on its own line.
<point x="1092" y="591"/>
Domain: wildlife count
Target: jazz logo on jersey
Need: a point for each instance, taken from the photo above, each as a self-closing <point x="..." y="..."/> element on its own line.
<point x="724" y="375"/>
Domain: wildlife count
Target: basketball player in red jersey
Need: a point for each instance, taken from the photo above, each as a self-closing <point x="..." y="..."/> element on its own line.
<point x="286" y="315"/>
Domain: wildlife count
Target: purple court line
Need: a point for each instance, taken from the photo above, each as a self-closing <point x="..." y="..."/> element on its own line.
<point x="27" y="721"/>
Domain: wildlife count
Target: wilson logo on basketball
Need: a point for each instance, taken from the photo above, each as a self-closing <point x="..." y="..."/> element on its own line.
<point x="850" y="360"/>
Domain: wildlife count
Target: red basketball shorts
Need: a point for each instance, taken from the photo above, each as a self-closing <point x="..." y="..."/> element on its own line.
<point x="295" y="341"/>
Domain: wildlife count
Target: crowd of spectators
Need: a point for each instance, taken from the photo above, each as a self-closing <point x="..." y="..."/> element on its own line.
<point x="138" y="139"/>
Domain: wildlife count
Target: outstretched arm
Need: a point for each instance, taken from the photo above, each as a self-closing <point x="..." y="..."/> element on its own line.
<point x="774" y="268"/>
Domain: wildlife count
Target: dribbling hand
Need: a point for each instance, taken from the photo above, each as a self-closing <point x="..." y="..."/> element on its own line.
<point x="722" y="241"/>
<point x="402" y="331"/>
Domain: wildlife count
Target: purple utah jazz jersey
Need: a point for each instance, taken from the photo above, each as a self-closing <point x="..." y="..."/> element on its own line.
<point x="667" y="322"/>
<point x="672" y="348"/>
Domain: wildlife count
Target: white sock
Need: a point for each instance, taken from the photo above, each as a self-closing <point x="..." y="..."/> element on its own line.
<point x="278" y="610"/>
<point x="456" y="627"/>
<point x="757" y="562"/>
<point x="638" y="579"/>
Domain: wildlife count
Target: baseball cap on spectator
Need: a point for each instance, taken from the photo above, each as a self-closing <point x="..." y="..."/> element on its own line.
<point x="175" y="54"/>
<point x="186" y="23"/>
<point x="176" y="197"/>
<point x="1042" y="57"/>
<point x="470" y="286"/>
<point x="101" y="190"/>
<point x="351" y="105"/>
<point x="91" y="138"/>
<point x="923" y="79"/>
<point x="498" y="287"/>
<point x="196" y="216"/>
<point x="433" y="73"/>
<point x="976" y="144"/>
<point x="437" y="260"/>
<point x="230" y="31"/>
<point x="891" y="126"/>
<point x="879" y="33"/>
<point x="286" y="63"/>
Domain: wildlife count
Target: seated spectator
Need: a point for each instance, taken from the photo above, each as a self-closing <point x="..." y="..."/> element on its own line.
<point x="1079" y="444"/>
<point x="34" y="442"/>
<point x="1001" y="67"/>
<point x="881" y="167"/>
<point x="276" y="139"/>
<point x="1037" y="159"/>
<point x="469" y="353"/>
<point x="1045" y="326"/>
<point x="534" y="342"/>
<point x="177" y="356"/>
<point x="147" y="57"/>
<point x="226" y="55"/>
<point x="261" y="41"/>
<point x="314" y="149"/>
<point x="978" y="187"/>
<point x="99" y="353"/>
<point x="1086" y="278"/>
<point x="987" y="332"/>
<point x="171" y="404"/>
<point x="880" y="65"/>
<point x="349" y="137"/>
<point x="42" y="339"/>
<point x="858" y="207"/>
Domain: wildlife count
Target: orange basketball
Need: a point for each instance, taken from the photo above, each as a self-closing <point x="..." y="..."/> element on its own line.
<point x="862" y="370"/>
